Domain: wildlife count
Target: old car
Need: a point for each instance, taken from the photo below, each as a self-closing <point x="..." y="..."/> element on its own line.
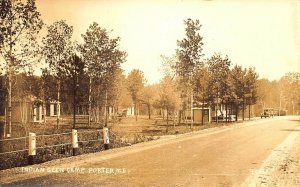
<point x="267" y="113"/>
<point x="122" y="113"/>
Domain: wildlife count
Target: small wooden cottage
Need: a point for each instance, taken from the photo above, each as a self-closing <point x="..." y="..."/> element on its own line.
<point x="30" y="109"/>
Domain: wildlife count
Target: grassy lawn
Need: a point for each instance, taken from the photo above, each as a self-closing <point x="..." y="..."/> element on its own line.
<point x="123" y="132"/>
<point x="126" y="126"/>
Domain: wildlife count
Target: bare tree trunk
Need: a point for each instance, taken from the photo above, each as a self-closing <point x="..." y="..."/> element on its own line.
<point x="231" y="109"/>
<point x="106" y="110"/>
<point x="58" y="103"/>
<point x="90" y="100"/>
<point x="202" y="117"/>
<point x="179" y="116"/>
<point x="43" y="101"/>
<point x="236" y="111"/>
<point x="167" y="130"/>
<point x="293" y="107"/>
<point x="98" y="112"/>
<point x="135" y="110"/>
<point x="226" y="110"/>
<point x="9" y="101"/>
<point x="217" y="113"/>
<point x="149" y="110"/>
<point x="192" y="113"/>
<point x="74" y="102"/>
<point x="243" y="113"/>
<point x="9" y="77"/>
<point x="249" y="111"/>
<point x="44" y="111"/>
<point x="175" y="119"/>
<point x="4" y="126"/>
<point x="280" y="97"/>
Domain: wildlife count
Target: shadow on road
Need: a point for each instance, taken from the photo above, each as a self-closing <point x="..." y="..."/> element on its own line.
<point x="296" y="120"/>
<point x="291" y="130"/>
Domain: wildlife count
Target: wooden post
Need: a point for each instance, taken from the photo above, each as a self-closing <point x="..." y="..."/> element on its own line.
<point x="105" y="138"/>
<point x="74" y="142"/>
<point x="31" y="148"/>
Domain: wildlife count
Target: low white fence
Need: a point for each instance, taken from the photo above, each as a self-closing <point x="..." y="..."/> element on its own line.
<point x="32" y="141"/>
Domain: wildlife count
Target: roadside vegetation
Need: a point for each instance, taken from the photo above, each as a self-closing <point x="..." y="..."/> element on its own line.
<point x="123" y="132"/>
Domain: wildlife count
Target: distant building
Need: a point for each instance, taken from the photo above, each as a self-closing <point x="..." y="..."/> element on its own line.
<point x="27" y="110"/>
<point x="199" y="112"/>
<point x="53" y="107"/>
<point x="32" y="110"/>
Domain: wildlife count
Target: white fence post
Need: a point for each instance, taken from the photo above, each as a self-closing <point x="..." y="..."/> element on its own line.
<point x="105" y="138"/>
<point x="31" y="148"/>
<point x="74" y="141"/>
<point x="32" y="144"/>
<point x="74" y="138"/>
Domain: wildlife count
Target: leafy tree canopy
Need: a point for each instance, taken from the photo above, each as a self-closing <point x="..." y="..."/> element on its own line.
<point x="20" y="24"/>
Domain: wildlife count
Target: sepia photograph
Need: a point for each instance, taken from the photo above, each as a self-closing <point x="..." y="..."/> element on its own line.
<point x="150" y="93"/>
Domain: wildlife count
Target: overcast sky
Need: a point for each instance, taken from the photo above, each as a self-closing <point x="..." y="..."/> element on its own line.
<point x="263" y="34"/>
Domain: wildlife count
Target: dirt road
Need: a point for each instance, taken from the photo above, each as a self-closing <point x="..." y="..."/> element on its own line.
<point x="224" y="157"/>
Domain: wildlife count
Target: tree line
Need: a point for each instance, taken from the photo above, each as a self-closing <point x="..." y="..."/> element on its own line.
<point x="87" y="76"/>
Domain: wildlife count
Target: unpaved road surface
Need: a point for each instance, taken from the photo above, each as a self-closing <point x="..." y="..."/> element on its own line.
<point x="220" y="157"/>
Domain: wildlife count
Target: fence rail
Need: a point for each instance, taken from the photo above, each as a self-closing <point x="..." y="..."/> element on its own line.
<point x="84" y="141"/>
<point x="89" y="131"/>
<point x="50" y="146"/>
<point x="10" y="139"/>
<point x="13" y="151"/>
<point x="47" y="135"/>
<point x="32" y="140"/>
